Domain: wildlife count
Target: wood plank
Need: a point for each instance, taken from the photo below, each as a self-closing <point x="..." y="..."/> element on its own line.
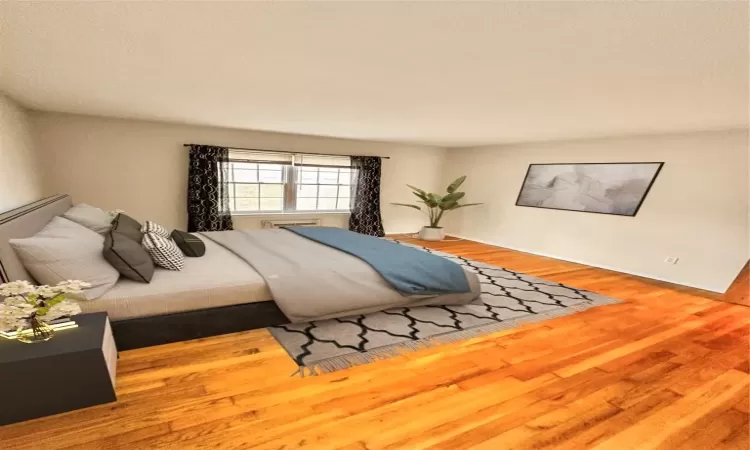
<point x="714" y="429"/>
<point x="661" y="428"/>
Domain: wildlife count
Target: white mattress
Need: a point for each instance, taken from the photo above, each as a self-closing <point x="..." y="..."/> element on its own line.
<point x="219" y="278"/>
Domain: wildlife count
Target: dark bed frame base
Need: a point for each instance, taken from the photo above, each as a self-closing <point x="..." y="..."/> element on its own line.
<point x="147" y="331"/>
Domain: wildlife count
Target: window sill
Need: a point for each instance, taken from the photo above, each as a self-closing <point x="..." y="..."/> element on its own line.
<point x="293" y="213"/>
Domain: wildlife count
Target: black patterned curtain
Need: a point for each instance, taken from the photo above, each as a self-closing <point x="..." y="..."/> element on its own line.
<point x="208" y="194"/>
<point x="365" y="217"/>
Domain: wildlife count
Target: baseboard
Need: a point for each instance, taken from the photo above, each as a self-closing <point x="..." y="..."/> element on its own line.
<point x="585" y="263"/>
<point x="388" y="232"/>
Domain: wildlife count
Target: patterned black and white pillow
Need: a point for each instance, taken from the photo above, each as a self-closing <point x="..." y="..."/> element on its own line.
<point x="163" y="251"/>
<point x="154" y="228"/>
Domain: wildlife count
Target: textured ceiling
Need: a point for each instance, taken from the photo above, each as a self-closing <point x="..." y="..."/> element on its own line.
<point x="449" y="74"/>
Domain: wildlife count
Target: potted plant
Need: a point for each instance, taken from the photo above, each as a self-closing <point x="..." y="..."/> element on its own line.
<point x="436" y="206"/>
<point x="28" y="309"/>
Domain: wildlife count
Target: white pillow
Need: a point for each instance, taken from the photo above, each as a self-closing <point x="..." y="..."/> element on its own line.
<point x="154" y="228"/>
<point x="90" y="217"/>
<point x="163" y="251"/>
<point x="64" y="250"/>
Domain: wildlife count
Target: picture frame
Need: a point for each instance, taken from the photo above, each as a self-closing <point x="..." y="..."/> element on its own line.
<point x="612" y="188"/>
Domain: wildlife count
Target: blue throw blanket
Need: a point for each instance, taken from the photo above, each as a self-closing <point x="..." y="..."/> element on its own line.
<point x="408" y="270"/>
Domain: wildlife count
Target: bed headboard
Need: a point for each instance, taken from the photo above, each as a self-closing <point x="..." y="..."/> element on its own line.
<point x="25" y="221"/>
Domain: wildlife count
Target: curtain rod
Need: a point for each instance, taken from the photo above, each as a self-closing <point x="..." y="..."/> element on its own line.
<point x="293" y="153"/>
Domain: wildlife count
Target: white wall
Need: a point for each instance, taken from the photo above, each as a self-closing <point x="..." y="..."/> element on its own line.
<point x="141" y="167"/>
<point x="20" y="180"/>
<point x="696" y="210"/>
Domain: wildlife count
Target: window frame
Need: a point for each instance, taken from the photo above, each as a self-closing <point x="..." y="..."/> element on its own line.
<point x="233" y="183"/>
<point x="290" y="174"/>
<point x="319" y="184"/>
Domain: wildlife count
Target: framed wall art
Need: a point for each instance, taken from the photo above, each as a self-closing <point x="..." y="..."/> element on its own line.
<point x="604" y="188"/>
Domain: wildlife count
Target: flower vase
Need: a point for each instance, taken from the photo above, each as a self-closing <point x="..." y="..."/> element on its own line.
<point x="38" y="331"/>
<point x="431" y="234"/>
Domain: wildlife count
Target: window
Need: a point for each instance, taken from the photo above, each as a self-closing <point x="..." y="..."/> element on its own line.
<point x="323" y="188"/>
<point x="256" y="187"/>
<point x="280" y="183"/>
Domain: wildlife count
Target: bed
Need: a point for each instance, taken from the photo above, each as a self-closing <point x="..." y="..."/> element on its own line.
<point x="233" y="287"/>
<point x="226" y="309"/>
<point x="216" y="280"/>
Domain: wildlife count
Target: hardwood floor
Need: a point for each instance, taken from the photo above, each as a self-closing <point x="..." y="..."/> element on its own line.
<point x="667" y="368"/>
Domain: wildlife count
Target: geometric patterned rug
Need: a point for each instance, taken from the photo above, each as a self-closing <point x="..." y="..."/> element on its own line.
<point x="509" y="299"/>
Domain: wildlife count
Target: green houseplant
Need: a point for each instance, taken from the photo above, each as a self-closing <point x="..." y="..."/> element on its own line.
<point x="435" y="206"/>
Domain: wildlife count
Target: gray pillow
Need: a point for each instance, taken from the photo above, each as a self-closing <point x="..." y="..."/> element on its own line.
<point x="90" y="217"/>
<point x="64" y="250"/>
<point x="128" y="226"/>
<point x="128" y="257"/>
<point x="190" y="244"/>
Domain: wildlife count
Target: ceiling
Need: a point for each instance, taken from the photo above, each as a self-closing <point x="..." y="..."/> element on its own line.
<point x="449" y="74"/>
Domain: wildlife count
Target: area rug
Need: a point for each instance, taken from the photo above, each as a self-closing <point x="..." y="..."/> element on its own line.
<point x="509" y="299"/>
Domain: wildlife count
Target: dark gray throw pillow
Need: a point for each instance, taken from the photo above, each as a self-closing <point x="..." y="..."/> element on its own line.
<point x="128" y="226"/>
<point x="128" y="257"/>
<point x="190" y="244"/>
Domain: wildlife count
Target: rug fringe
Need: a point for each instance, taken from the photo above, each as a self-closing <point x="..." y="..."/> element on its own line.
<point x="357" y="359"/>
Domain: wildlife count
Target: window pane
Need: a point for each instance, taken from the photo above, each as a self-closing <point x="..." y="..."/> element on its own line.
<point x="345" y="191"/>
<point x="326" y="203"/>
<point x="271" y="190"/>
<point x="270" y="167"/>
<point x="270" y="176"/>
<point x="343" y="204"/>
<point x="307" y="190"/>
<point x="245" y="176"/>
<point x="306" y="204"/>
<point x="271" y="204"/>
<point x="246" y="204"/>
<point x="345" y="176"/>
<point x="242" y="165"/>
<point x="328" y="177"/>
<point x="328" y="191"/>
<point x="246" y="190"/>
<point x="308" y="176"/>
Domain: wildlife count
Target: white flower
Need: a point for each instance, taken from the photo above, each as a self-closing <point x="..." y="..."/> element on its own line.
<point x="46" y="291"/>
<point x="17" y="301"/>
<point x="62" y="309"/>
<point x="22" y="299"/>
<point x="16" y="288"/>
<point x="14" y="314"/>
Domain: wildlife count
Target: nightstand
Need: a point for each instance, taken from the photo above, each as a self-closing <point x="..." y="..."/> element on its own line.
<point x="73" y="370"/>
